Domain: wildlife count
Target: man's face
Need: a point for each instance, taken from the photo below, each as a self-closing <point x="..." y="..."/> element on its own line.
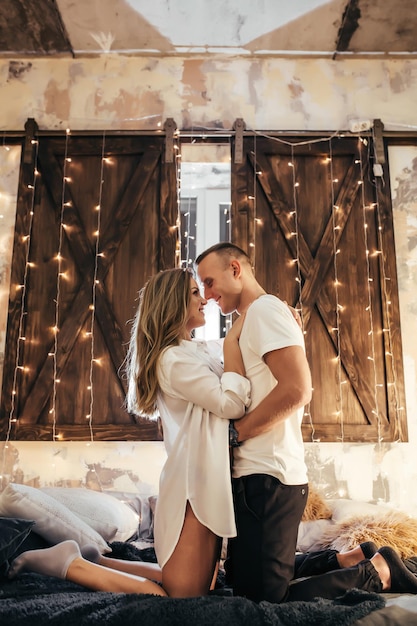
<point x="221" y="282"/>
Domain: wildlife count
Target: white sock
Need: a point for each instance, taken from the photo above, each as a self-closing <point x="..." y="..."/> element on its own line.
<point x="53" y="561"/>
<point x="91" y="553"/>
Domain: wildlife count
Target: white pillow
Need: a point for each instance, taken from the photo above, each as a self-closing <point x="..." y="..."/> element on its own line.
<point x="53" y="521"/>
<point x="310" y="535"/>
<point x="343" y="509"/>
<point x="111" y="518"/>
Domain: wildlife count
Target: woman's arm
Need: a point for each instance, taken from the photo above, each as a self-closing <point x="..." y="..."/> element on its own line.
<point x="232" y="356"/>
<point x="183" y="374"/>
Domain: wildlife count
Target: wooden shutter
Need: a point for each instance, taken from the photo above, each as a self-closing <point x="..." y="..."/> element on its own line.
<point x="284" y="198"/>
<point x="137" y="237"/>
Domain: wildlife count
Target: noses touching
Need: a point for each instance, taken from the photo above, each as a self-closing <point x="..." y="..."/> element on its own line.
<point x="209" y="294"/>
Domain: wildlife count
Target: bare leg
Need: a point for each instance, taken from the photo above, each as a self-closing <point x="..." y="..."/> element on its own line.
<point x="189" y="572"/>
<point x="214" y="579"/>
<point x="383" y="570"/>
<point x="101" y="578"/>
<point x="137" y="568"/>
<point x="64" y="561"/>
<point x="143" y="568"/>
<point x="351" y="557"/>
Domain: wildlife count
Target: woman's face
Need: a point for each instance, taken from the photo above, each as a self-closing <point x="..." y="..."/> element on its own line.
<point x="195" y="317"/>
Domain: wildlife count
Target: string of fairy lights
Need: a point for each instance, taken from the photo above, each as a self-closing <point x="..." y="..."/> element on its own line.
<point x="255" y="219"/>
<point x="338" y="307"/>
<point x="295" y="232"/>
<point x="179" y="262"/>
<point x="94" y="359"/>
<point x="387" y="328"/>
<point x="186" y="262"/>
<point x="227" y="212"/>
<point x="369" y="307"/>
<point x="19" y="367"/>
<point x="60" y="275"/>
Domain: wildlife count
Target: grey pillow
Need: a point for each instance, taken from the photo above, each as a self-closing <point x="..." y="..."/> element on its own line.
<point x="13" y="531"/>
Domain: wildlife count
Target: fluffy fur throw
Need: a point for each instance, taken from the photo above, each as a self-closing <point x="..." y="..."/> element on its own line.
<point x="316" y="507"/>
<point x="393" y="528"/>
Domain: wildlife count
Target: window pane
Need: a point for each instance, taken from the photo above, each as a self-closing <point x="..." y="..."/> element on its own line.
<point x="205" y="213"/>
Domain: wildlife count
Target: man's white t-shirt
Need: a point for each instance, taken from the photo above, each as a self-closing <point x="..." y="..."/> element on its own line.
<point x="195" y="402"/>
<point x="269" y="325"/>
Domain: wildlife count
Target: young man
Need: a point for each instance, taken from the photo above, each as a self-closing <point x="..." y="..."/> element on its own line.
<point x="269" y="473"/>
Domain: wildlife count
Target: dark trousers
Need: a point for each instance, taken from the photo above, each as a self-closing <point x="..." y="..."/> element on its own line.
<point x="260" y="561"/>
<point x="314" y="563"/>
<point x="333" y="583"/>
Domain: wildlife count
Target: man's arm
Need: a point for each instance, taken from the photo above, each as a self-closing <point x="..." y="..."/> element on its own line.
<point x="289" y="366"/>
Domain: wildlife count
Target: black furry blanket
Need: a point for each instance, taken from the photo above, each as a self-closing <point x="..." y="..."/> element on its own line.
<point x="35" y="599"/>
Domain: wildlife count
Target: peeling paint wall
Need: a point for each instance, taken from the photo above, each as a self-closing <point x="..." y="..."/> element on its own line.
<point x="115" y="92"/>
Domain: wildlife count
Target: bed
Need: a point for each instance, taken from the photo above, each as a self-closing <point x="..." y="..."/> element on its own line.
<point x="121" y="526"/>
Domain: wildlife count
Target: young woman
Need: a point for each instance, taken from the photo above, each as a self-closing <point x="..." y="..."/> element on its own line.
<point x="172" y="375"/>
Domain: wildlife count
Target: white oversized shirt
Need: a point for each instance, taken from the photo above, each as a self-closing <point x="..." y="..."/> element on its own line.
<point x="195" y="402"/>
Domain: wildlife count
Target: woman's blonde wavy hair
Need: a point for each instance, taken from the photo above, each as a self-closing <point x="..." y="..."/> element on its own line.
<point x="159" y="322"/>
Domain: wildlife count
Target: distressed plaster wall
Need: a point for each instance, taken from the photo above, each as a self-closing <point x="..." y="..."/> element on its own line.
<point x="114" y="92"/>
<point x="129" y="92"/>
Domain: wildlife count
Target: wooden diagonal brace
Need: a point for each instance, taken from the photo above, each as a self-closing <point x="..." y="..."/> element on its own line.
<point x="31" y="128"/>
<point x="239" y="126"/>
<point x="379" y="141"/>
<point x="169" y="127"/>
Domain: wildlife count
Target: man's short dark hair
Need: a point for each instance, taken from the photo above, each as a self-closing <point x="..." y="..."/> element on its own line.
<point x="223" y="248"/>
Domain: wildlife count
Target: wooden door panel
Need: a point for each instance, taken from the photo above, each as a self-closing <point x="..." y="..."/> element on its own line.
<point x="137" y="211"/>
<point x="307" y="216"/>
